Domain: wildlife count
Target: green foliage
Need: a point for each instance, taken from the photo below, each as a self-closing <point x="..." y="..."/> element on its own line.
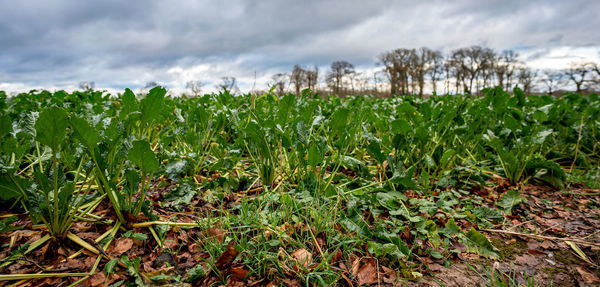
<point x="510" y="200"/>
<point x="142" y="156"/>
<point x="5" y="224"/>
<point x="51" y="127"/>
<point x="381" y="173"/>
<point x="478" y="243"/>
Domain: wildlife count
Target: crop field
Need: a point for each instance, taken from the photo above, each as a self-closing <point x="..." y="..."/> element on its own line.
<point x="260" y="190"/>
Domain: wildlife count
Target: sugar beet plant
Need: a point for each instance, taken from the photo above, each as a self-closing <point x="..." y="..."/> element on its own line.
<point x="380" y="168"/>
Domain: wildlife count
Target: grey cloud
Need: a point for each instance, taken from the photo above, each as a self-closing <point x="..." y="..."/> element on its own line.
<point x="116" y="42"/>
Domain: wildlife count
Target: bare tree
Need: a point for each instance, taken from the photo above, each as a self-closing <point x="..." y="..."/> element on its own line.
<point x="338" y="71"/>
<point x="312" y="77"/>
<point x="279" y="80"/>
<point x="576" y="73"/>
<point x="505" y="66"/>
<point x="526" y="76"/>
<point x="595" y="67"/>
<point x="195" y="87"/>
<point x="470" y="62"/>
<point x="552" y="79"/>
<point x="420" y="66"/>
<point x="396" y="66"/>
<point x="228" y="84"/>
<point x="298" y="78"/>
<point x="436" y="69"/>
<point x="86" y="86"/>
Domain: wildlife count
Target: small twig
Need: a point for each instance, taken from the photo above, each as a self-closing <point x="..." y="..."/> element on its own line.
<point x="577" y="145"/>
<point x="39" y="266"/>
<point x="524" y="222"/>
<point x="576" y="240"/>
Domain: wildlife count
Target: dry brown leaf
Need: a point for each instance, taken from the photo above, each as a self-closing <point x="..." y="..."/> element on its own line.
<point x="238" y="273"/>
<point x="587" y="276"/>
<point x="526" y="260"/>
<point x="337" y="256"/>
<point x="97" y="279"/>
<point x="367" y="274"/>
<point x="355" y="266"/>
<point x="303" y="256"/>
<point x="227" y="257"/>
<point x="121" y="246"/>
<point x="215" y="234"/>
<point x="291" y="282"/>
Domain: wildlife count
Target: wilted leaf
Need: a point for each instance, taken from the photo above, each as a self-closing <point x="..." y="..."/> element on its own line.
<point x="121" y="246"/>
<point x="227" y="257"/>
<point x="478" y="243"/>
<point x="366" y="274"/>
<point x="587" y="276"/>
<point x="511" y="199"/>
<point x="303" y="257"/>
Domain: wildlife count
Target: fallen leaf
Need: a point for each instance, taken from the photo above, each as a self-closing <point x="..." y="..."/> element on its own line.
<point x="97" y="279"/>
<point x="348" y="281"/>
<point x="227" y="257"/>
<point x="121" y="246"/>
<point x="586" y="275"/>
<point x="535" y="252"/>
<point x="435" y="267"/>
<point x="366" y="274"/>
<point x="547" y="244"/>
<point x="337" y="256"/>
<point x="291" y="282"/>
<point x="215" y="234"/>
<point x="303" y="256"/>
<point x="355" y="266"/>
<point x="238" y="273"/>
<point x="526" y="260"/>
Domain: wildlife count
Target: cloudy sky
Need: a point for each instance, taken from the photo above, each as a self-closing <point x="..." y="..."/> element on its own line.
<point x="119" y="44"/>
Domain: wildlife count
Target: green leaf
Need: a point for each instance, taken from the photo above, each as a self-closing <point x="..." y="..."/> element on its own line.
<point x="356" y="225"/>
<point x="135" y="235"/>
<point x="196" y="273"/>
<point x="51" y="127"/>
<point x="110" y="266"/>
<point x="129" y="103"/>
<point x="546" y="170"/>
<point x="8" y="189"/>
<point x="5" y="224"/>
<point x="511" y="199"/>
<point x="182" y="195"/>
<point x="86" y="133"/>
<point x="160" y="277"/>
<point x="314" y="156"/>
<point x="339" y="120"/>
<point x="478" y="243"/>
<point x="540" y="137"/>
<point x="141" y="155"/>
<point x="374" y="150"/>
<point x="152" y="104"/>
<point x="401" y="126"/>
<point x="451" y="229"/>
<point x="5" y="125"/>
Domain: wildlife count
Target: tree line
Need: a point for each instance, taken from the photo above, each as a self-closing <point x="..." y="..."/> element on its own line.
<point x="426" y="71"/>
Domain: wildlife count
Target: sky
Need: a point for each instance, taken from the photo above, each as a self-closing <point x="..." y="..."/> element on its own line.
<point x="126" y="44"/>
